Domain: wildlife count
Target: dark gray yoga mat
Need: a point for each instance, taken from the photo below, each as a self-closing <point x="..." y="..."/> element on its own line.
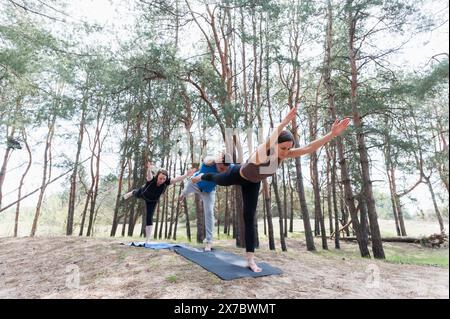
<point x="226" y="266"/>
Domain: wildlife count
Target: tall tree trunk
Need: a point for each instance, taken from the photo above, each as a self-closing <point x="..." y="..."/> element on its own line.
<point x="303" y="206"/>
<point x="317" y="204"/>
<point x="398" y="205"/>
<point x="319" y="216"/>
<point x="83" y="214"/>
<point x="292" y="84"/>
<point x="268" y="205"/>
<point x="310" y="246"/>
<point x="147" y="155"/>
<point x="172" y="208"/>
<point x="9" y="148"/>
<point x="333" y="190"/>
<point x="46" y="170"/>
<point x="226" y="226"/>
<point x="164" y="203"/>
<point x="291" y="196"/>
<point x="265" y="184"/>
<point x="137" y="177"/>
<point x="377" y="244"/>
<point x="188" y="225"/>
<point x="442" y="148"/>
<point x="420" y="164"/>
<point x="363" y="215"/>
<point x="345" y="177"/>
<point x="4" y="166"/>
<point x="284" y="201"/>
<point x="390" y="171"/>
<point x="19" y="195"/>
<point x="117" y="205"/>
<point x="233" y="211"/>
<point x="97" y="149"/>
<point x="74" y="176"/>
<point x="264" y="217"/>
<point x="436" y="208"/>
<point x="129" y="183"/>
<point x="280" y="212"/>
<point x="182" y="171"/>
<point x="329" y="195"/>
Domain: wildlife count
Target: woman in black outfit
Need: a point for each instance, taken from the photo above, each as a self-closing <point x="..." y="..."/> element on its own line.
<point x="152" y="191"/>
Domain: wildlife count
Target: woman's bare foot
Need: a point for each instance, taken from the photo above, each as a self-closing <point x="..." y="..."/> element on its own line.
<point x="254" y="267"/>
<point x="197" y="178"/>
<point x="251" y="263"/>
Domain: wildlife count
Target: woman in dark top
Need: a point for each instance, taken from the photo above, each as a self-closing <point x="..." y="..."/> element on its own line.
<point x="152" y="191"/>
<point x="262" y="164"/>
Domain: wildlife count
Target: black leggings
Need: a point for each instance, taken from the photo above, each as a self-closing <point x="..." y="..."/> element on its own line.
<point x="250" y="192"/>
<point x="150" y="206"/>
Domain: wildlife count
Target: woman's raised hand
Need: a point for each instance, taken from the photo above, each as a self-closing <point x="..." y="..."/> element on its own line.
<point x="290" y="116"/>
<point x="339" y="127"/>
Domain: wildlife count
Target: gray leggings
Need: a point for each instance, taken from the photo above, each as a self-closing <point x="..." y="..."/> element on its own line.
<point x="208" y="200"/>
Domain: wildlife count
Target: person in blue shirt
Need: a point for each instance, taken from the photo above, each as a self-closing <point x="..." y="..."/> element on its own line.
<point x="207" y="191"/>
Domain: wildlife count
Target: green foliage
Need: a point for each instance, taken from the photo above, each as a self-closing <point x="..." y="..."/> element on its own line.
<point x="172" y="279"/>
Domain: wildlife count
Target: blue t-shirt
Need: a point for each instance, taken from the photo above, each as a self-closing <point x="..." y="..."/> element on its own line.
<point x="206" y="186"/>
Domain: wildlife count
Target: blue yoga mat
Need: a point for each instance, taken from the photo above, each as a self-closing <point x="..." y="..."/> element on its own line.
<point x="159" y="245"/>
<point x="225" y="265"/>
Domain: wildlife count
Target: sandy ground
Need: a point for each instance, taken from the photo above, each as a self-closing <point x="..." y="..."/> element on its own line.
<point x="71" y="267"/>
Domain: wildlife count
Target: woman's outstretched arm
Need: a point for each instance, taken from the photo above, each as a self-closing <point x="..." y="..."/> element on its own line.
<point x="149" y="171"/>
<point x="181" y="177"/>
<point x="338" y="128"/>
<point x="260" y="154"/>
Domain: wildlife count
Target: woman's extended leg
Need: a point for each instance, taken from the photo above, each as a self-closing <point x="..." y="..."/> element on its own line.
<point x="230" y="177"/>
<point x="128" y="195"/>
<point x="149" y="219"/>
<point x="135" y="192"/>
<point x="250" y="192"/>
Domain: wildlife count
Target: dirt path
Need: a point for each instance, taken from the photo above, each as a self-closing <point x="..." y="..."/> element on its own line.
<point x="71" y="267"/>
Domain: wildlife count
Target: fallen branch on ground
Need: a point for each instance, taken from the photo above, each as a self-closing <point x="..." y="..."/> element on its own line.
<point x="434" y="240"/>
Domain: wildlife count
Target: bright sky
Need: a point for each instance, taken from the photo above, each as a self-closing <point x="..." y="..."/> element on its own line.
<point x="114" y="15"/>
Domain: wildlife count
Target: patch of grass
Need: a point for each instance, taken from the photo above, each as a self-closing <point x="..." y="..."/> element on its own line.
<point x="222" y="236"/>
<point x="420" y="256"/>
<point x="296" y="235"/>
<point x="214" y="279"/>
<point x="388" y="233"/>
<point x="172" y="279"/>
<point x="121" y="255"/>
<point x="419" y="260"/>
<point x="100" y="274"/>
<point x="153" y="263"/>
<point x="399" y="254"/>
